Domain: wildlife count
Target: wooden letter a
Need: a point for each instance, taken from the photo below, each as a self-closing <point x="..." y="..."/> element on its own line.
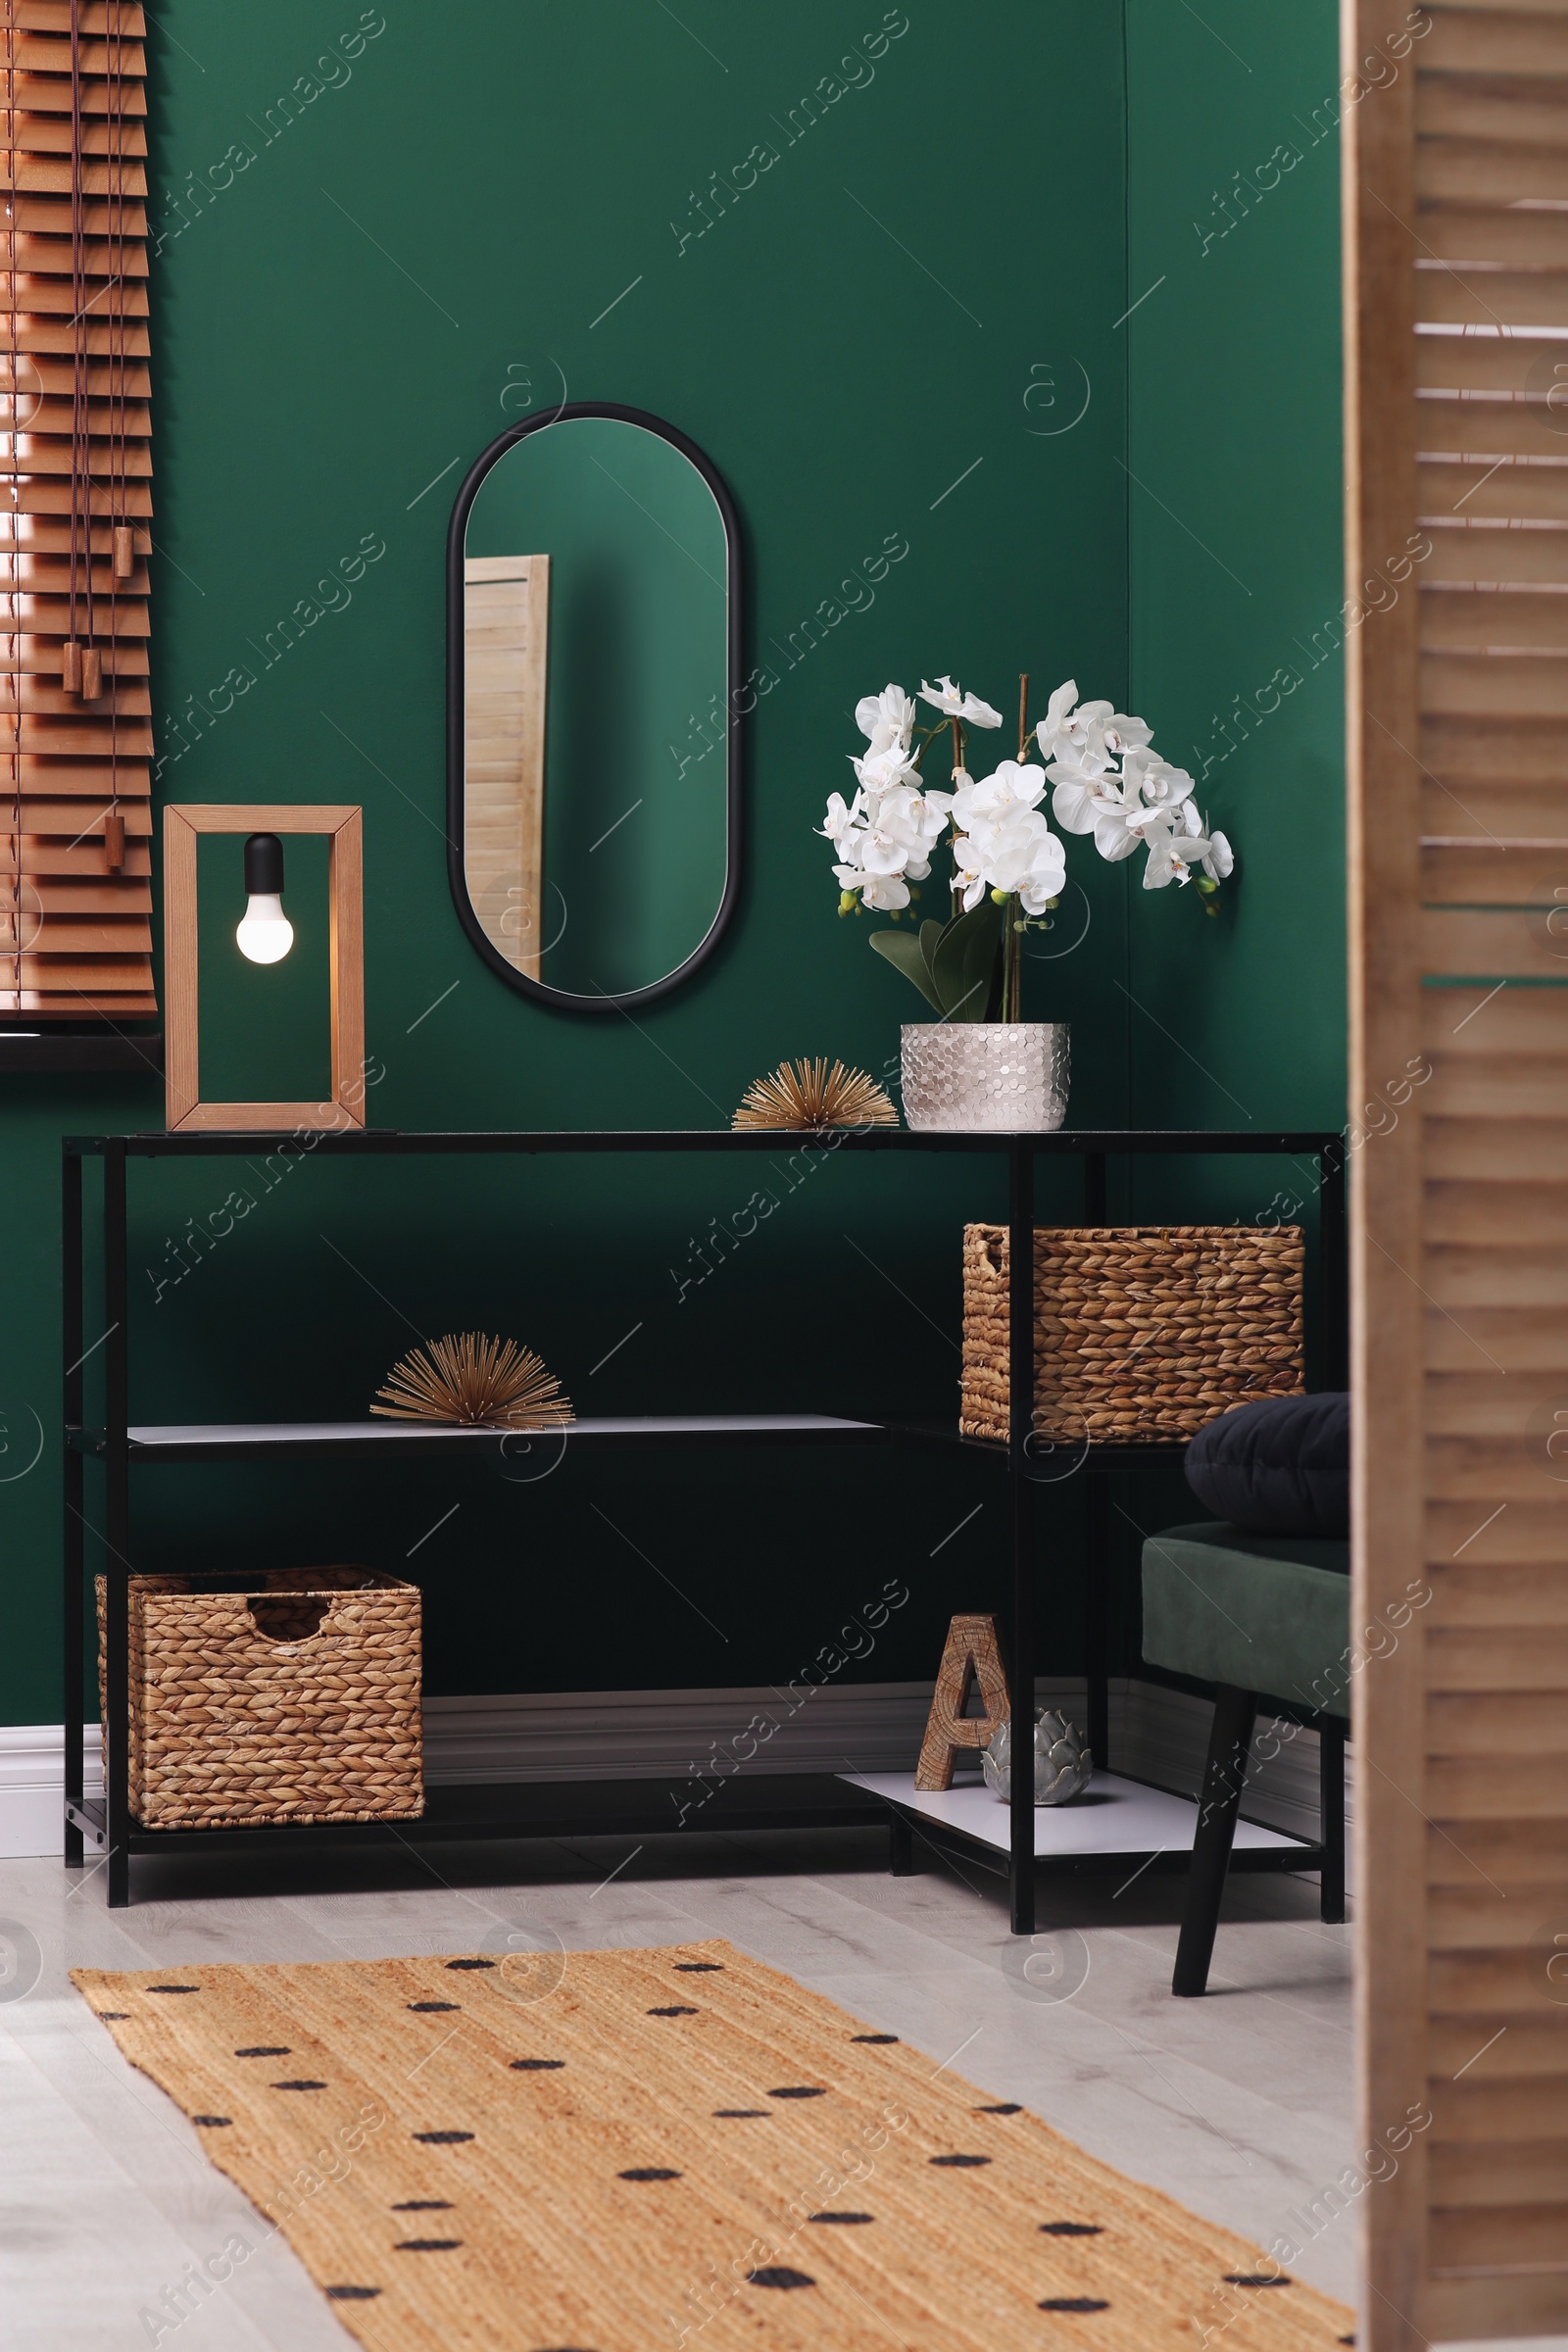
<point x="969" y="1656"/>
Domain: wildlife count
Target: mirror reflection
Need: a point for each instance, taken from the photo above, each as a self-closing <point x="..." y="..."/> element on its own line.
<point x="595" y="819"/>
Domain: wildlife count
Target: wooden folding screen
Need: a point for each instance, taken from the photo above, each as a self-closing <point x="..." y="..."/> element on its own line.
<point x="75" y="738"/>
<point x="506" y="656"/>
<point x="1456" y="136"/>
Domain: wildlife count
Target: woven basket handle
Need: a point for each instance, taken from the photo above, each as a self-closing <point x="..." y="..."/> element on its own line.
<point x="328" y="1627"/>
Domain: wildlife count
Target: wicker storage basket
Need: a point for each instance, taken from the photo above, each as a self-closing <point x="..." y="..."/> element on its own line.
<point x="299" y="1702"/>
<point x="1142" y="1332"/>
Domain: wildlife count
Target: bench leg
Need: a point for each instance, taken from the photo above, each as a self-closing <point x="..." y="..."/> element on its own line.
<point x="901" y="1863"/>
<point x="1330" y="1884"/>
<point x="1224" y="1775"/>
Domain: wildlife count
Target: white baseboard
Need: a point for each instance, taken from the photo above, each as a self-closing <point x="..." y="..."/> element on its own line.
<point x="1155" y="1735"/>
<point x="33" y="1785"/>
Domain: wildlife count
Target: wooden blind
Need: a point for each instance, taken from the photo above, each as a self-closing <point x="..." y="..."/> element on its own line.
<point x="76" y="736"/>
<point x="1456" y="249"/>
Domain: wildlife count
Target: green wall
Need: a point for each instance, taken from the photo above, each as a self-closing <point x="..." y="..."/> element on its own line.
<point x="883" y="343"/>
<point x="1233" y="542"/>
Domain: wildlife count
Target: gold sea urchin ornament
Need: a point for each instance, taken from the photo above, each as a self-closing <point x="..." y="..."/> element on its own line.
<point x="808" y="1093"/>
<point x="477" y="1382"/>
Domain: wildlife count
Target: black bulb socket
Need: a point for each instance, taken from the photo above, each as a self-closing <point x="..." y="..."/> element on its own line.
<point x="264" y="866"/>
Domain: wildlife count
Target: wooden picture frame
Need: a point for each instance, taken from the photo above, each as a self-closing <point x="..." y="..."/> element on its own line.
<point x="184" y="1107"/>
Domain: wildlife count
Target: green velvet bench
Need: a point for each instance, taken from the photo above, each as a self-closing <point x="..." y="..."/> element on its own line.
<point x="1261" y="1618"/>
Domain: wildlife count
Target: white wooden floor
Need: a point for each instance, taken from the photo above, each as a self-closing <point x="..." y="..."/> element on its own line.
<point x="1239" y="2104"/>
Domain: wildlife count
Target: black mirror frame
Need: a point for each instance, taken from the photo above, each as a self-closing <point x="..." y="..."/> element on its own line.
<point x="566" y="999"/>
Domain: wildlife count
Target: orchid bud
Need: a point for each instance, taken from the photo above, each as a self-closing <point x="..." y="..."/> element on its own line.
<point x="848" y="901"/>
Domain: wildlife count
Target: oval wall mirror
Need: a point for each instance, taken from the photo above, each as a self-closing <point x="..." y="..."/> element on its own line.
<point x="593" y="742"/>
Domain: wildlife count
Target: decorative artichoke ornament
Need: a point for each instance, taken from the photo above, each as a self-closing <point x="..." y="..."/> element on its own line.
<point x="810" y="1095"/>
<point x="475" y="1382"/>
<point x="1062" y="1761"/>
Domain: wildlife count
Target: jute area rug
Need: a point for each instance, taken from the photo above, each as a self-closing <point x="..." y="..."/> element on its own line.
<point x="632" y="2150"/>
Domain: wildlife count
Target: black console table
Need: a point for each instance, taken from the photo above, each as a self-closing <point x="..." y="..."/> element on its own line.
<point x="638" y="1807"/>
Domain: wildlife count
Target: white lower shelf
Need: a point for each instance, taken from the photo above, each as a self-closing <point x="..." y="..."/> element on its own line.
<point x="1112" y="1816"/>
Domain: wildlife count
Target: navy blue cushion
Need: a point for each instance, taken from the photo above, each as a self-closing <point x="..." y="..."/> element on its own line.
<point x="1280" y="1467"/>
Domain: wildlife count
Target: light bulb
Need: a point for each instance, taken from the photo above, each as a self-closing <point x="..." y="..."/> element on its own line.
<point x="264" y="933"/>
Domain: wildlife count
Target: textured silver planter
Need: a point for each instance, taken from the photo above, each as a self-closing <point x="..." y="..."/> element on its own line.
<point x="1062" y="1763"/>
<point x="992" y="1074"/>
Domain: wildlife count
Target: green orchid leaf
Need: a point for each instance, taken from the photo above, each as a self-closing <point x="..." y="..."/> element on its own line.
<point x="964" y="968"/>
<point x="905" y="952"/>
<point x="930" y="939"/>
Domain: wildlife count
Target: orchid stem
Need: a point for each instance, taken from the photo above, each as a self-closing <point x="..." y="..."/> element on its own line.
<point x="1023" y="711"/>
<point x="958" y="747"/>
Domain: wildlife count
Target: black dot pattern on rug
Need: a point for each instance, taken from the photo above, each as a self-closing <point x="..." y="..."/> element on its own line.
<point x="779" y="2274"/>
<point x="840" y="2216"/>
<point x="174" y="1988"/>
<point x="699" y="1967"/>
<point x="304" y="2084"/>
<point x="960" y="2160"/>
<point x="425" y="2205"/>
<point x="266" y="2049"/>
<point x="649" y="2172"/>
<point x="441" y="2139"/>
<point x="799" y="2090"/>
<point x="351" y="2294"/>
<point x="1074" y="2303"/>
<point x="1003" y="2107"/>
<point x="876" y="2038"/>
<point x="212" y="2122"/>
<point x="675" y="2011"/>
<point x="470" y="1964"/>
<point x="421" y="2008"/>
<point x="427" y="2245"/>
<point x="738" y="2114"/>
<point x="1256" y="2279"/>
<point x="536" y="2066"/>
<point x="1072" y="2229"/>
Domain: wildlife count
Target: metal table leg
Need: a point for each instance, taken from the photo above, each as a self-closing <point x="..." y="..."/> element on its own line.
<point x="72" y="1548"/>
<point x="1097" y="1582"/>
<point x="116" y="1648"/>
<point x="1020" y="1426"/>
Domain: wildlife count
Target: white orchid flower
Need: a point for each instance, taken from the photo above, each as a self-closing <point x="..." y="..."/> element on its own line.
<point x="1053" y="733"/>
<point x="903" y="830"/>
<point x="1160" y="785"/>
<point x="884" y="894"/>
<point x="1096" y="805"/>
<point x="948" y="802"/>
<point x="943" y="696"/>
<point x="953" y="703"/>
<point x="883" y="852"/>
<point x="1220" y="859"/>
<point x="1047" y="876"/>
<point x="839" y="820"/>
<point x="1091" y="735"/>
<point x="967" y="877"/>
<point x="1014" y="784"/>
<point x="889" y="714"/>
<point x="1172" y="855"/>
<point x="882" y="768"/>
<point x="1026" y="856"/>
<point x="1013" y="850"/>
<point x="1066" y="733"/>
